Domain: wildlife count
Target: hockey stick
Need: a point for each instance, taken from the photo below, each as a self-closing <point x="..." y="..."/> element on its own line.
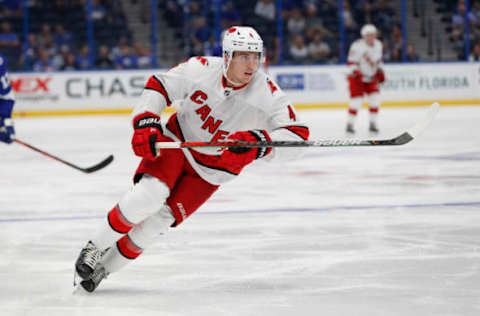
<point x="402" y="139"/>
<point x="98" y="166"/>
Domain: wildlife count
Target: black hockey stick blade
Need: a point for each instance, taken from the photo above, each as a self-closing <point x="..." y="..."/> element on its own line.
<point x="102" y="164"/>
<point x="402" y="139"/>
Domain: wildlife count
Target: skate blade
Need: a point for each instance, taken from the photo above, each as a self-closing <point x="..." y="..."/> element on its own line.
<point x="77" y="287"/>
<point x="76" y="278"/>
<point x="79" y="290"/>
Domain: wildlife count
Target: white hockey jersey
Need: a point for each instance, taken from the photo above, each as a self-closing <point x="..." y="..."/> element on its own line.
<point x="207" y="110"/>
<point x="366" y="58"/>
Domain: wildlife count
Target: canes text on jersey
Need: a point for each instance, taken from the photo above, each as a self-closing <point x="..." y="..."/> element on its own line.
<point x="210" y="123"/>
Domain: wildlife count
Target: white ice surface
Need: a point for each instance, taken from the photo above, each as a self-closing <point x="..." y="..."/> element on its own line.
<point x="352" y="231"/>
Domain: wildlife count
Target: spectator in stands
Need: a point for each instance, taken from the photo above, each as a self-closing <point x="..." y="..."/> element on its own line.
<point x="70" y="63"/>
<point x="127" y="60"/>
<point x="458" y="27"/>
<point x="7" y="37"/>
<point x="287" y="7"/>
<point x="201" y="34"/>
<point x="458" y="19"/>
<point x="51" y="48"/>
<point x="45" y="37"/>
<point x="296" y="23"/>
<point x="314" y="23"/>
<point x="298" y="51"/>
<point x="144" y="58"/>
<point x="475" y="55"/>
<point x="117" y="49"/>
<point x="229" y="15"/>
<point x="387" y="51"/>
<point x="272" y="54"/>
<point x="60" y="58"/>
<point x="475" y="20"/>
<point x="10" y="8"/>
<point x="412" y="55"/>
<point x="396" y="55"/>
<point x="348" y="18"/>
<point x="98" y="11"/>
<point x="195" y="12"/>
<point x="82" y="60"/>
<point x="61" y="36"/>
<point x="29" y="52"/>
<point x="44" y="62"/>
<point x="265" y="9"/>
<point x="174" y="13"/>
<point x="103" y="60"/>
<point x="475" y="11"/>
<point x="364" y="12"/>
<point x="318" y="49"/>
<point x="383" y="16"/>
<point x="396" y="38"/>
<point x="349" y="23"/>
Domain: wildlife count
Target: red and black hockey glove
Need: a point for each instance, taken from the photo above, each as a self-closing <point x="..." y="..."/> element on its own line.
<point x="357" y="75"/>
<point x="380" y="76"/>
<point x="239" y="157"/>
<point x="147" y="131"/>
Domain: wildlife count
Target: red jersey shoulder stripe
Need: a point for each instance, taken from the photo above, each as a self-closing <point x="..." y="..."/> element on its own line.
<point x="156" y="85"/>
<point x="174" y="127"/>
<point x="301" y="131"/>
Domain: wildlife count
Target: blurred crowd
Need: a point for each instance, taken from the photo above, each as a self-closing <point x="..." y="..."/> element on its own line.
<point x="455" y="13"/>
<point x="310" y="27"/>
<point x="57" y="38"/>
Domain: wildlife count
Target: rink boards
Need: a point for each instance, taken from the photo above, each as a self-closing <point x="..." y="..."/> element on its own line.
<point x="309" y="87"/>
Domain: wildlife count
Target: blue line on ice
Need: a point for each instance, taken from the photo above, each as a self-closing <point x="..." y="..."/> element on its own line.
<point x="273" y="210"/>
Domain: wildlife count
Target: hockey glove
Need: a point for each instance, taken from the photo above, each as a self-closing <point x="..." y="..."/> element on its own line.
<point x="239" y="157"/>
<point x="7" y="131"/>
<point x="147" y="131"/>
<point x="357" y="75"/>
<point x="380" y="76"/>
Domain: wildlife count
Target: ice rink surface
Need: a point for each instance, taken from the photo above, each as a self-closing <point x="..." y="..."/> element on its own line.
<point x="352" y="231"/>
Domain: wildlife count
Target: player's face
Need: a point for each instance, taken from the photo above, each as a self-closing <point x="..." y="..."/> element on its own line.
<point x="243" y="66"/>
<point x="370" y="39"/>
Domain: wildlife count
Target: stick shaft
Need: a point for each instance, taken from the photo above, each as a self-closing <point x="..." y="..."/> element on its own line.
<point x="93" y="168"/>
<point x="402" y="139"/>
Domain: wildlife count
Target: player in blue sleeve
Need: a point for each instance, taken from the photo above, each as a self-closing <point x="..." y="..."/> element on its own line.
<point x="7" y="131"/>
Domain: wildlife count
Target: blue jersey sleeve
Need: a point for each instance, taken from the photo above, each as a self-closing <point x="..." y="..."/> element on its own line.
<point x="6" y="95"/>
<point x="5" y="86"/>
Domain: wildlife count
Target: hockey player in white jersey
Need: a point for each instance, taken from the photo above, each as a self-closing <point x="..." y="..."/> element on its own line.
<point x="216" y="99"/>
<point x="7" y="99"/>
<point x="365" y="74"/>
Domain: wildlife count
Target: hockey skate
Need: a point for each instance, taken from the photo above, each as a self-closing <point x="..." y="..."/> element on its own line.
<point x="87" y="260"/>
<point x="350" y="129"/>
<point x="95" y="278"/>
<point x="373" y="128"/>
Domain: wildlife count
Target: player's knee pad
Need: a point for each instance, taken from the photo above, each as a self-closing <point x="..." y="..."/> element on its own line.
<point x="145" y="233"/>
<point x="374" y="100"/>
<point x="146" y="198"/>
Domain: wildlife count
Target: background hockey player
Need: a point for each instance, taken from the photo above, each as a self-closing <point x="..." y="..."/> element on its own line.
<point x="216" y="99"/>
<point x="365" y="74"/>
<point x="7" y="131"/>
